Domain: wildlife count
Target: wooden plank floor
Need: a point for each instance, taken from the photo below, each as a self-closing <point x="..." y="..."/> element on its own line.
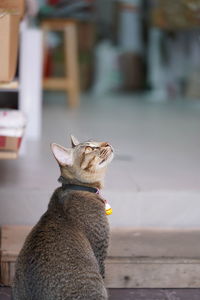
<point x="136" y="294"/>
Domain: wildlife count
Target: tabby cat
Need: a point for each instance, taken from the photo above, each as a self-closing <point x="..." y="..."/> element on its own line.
<point x="63" y="256"/>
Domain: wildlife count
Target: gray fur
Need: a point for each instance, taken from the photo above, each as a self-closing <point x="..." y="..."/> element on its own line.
<point x="63" y="256"/>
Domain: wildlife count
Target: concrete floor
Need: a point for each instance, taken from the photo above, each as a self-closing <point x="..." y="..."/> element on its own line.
<point x="154" y="180"/>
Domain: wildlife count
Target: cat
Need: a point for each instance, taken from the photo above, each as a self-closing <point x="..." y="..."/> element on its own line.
<point x="63" y="256"/>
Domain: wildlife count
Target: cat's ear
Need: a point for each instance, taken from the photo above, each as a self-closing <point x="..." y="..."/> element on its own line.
<point x="74" y="141"/>
<point x="63" y="155"/>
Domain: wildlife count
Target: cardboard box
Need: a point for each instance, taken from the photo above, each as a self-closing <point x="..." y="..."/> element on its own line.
<point x="10" y="143"/>
<point x="13" y="7"/>
<point x="9" y="147"/>
<point x="9" y="37"/>
<point x="11" y="11"/>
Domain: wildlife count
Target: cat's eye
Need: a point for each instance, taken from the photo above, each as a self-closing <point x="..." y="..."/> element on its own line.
<point x="88" y="148"/>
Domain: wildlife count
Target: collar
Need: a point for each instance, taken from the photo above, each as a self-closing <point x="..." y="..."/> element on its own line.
<point x="77" y="187"/>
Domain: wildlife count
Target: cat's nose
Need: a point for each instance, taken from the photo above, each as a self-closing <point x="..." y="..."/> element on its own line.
<point x="105" y="144"/>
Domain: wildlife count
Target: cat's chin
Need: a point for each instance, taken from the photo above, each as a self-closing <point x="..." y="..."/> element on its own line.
<point x="106" y="162"/>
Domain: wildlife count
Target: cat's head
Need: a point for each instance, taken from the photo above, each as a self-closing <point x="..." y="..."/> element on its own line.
<point x="85" y="162"/>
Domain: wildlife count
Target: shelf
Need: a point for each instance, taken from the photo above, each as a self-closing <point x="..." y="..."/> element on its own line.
<point x="8" y="155"/>
<point x="9" y="86"/>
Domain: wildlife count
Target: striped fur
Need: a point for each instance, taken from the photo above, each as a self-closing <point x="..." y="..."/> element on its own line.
<point x="63" y="256"/>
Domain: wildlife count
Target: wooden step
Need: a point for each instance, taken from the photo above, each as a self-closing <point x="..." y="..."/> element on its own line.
<point x="153" y="259"/>
<point x="136" y="258"/>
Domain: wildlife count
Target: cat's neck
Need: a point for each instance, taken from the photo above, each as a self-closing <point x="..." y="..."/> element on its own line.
<point x="67" y="180"/>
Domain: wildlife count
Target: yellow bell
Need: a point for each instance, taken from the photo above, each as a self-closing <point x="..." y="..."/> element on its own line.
<point x="108" y="209"/>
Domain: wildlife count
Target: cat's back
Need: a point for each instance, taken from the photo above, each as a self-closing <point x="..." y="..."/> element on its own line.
<point x="57" y="259"/>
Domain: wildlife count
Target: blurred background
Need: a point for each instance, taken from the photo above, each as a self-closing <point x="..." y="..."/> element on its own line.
<point x="126" y="72"/>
